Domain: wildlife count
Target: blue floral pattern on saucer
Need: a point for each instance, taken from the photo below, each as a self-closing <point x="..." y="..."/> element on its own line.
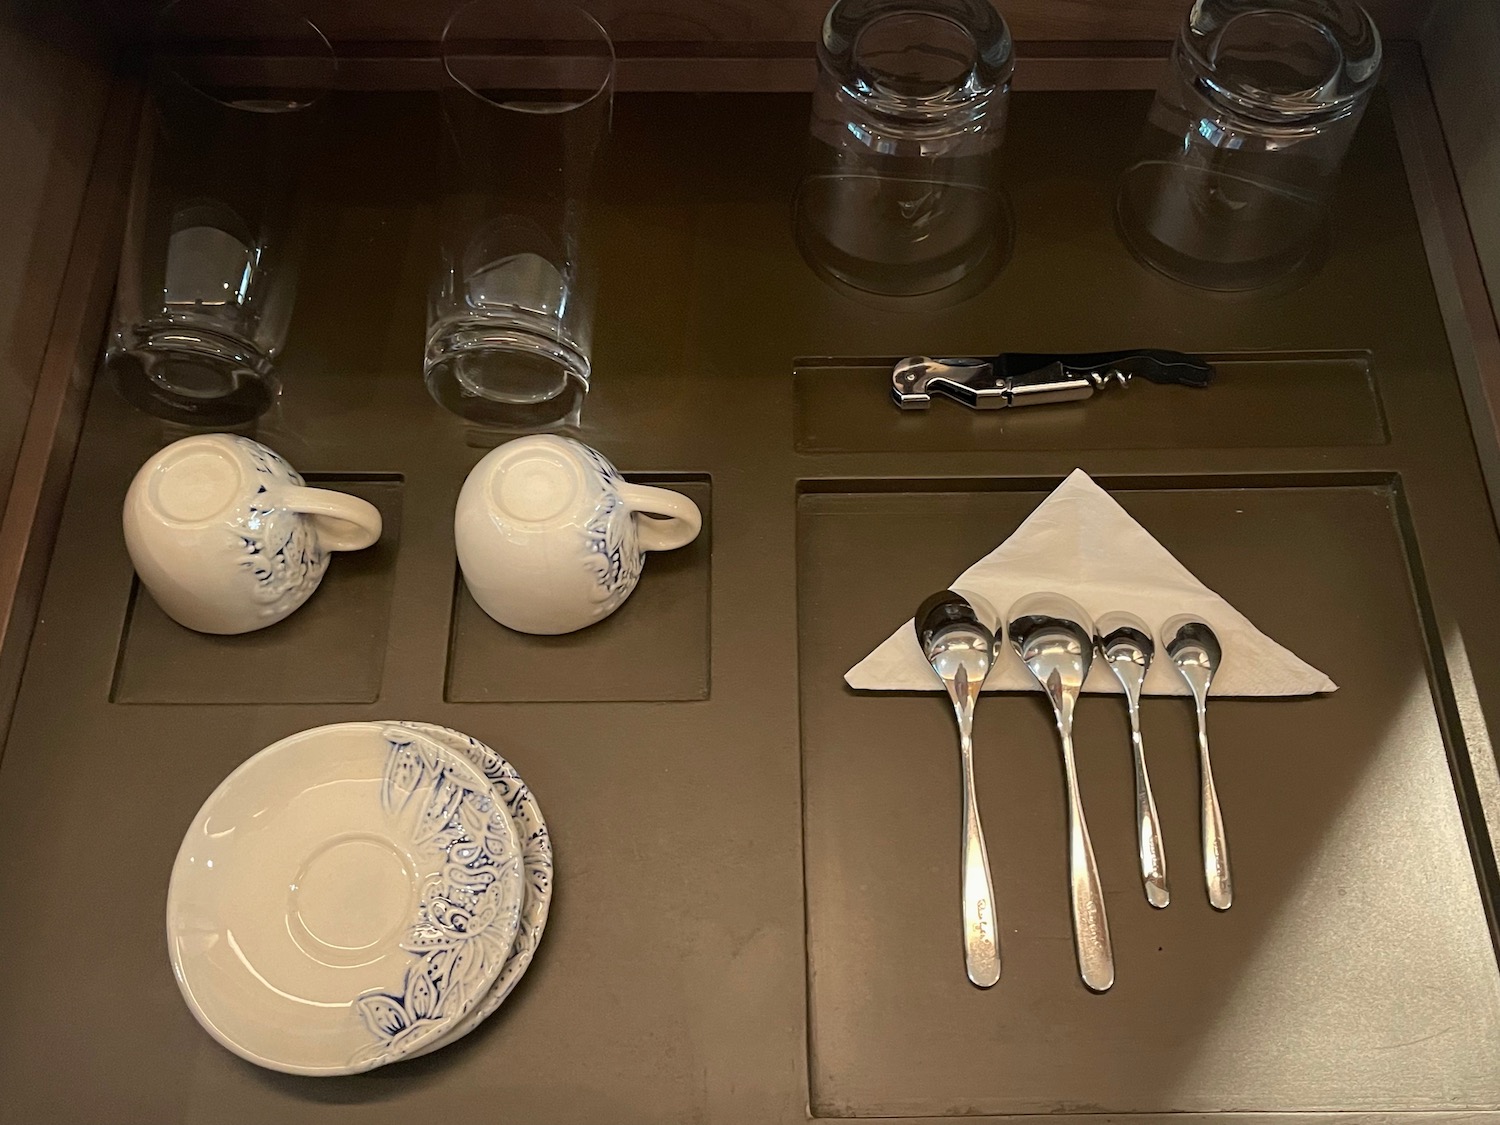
<point x="468" y="916"/>
<point x="536" y="852"/>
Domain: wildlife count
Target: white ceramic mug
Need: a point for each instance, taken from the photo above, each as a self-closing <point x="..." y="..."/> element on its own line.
<point x="551" y="538"/>
<point x="228" y="538"/>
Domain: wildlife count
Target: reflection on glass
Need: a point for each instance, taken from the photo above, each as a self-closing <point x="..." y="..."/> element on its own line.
<point x="901" y="193"/>
<point x="208" y="272"/>
<point x="1230" y="184"/>
<point x="525" y="110"/>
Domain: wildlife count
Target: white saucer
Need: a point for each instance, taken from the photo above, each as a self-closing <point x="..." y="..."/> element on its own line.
<point x="536" y="849"/>
<point x="343" y="898"/>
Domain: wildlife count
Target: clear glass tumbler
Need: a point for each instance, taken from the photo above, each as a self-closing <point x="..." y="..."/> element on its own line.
<point x="901" y="194"/>
<point x="209" y="268"/>
<point x="525" y="112"/>
<point x="1230" y="184"/>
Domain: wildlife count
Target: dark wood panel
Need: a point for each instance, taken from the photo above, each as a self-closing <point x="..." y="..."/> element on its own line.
<point x="52" y="88"/>
<point x="740" y="22"/>
<point x="58" y="306"/>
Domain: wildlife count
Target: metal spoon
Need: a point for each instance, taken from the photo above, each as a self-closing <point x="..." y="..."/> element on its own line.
<point x="1055" y="639"/>
<point x="1194" y="649"/>
<point x="1124" y="641"/>
<point x="960" y="646"/>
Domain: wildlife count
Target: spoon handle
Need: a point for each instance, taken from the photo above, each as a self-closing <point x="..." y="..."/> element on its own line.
<point x="1215" y="846"/>
<point x="1148" y="825"/>
<point x="981" y="943"/>
<point x="1096" y="958"/>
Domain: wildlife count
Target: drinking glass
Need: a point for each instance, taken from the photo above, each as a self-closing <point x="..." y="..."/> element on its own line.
<point x="901" y="194"/>
<point x="1230" y="184"/>
<point x="525" y="110"/>
<point x="209" y="268"/>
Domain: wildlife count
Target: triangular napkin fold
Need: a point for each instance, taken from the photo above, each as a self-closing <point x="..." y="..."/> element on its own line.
<point x="1080" y="542"/>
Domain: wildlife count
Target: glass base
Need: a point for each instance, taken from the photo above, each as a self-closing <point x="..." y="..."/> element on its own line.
<point x="193" y="377"/>
<point x="506" y="376"/>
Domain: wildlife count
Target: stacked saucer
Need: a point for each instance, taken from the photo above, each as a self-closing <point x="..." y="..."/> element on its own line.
<point x="357" y="894"/>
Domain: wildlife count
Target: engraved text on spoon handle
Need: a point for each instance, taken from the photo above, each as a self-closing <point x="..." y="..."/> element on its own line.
<point x="1096" y="959"/>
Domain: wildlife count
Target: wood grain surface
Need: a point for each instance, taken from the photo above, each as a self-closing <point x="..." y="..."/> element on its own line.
<point x="734" y="24"/>
<point x="52" y="89"/>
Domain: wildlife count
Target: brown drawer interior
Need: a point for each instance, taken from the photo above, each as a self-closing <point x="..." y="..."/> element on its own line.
<point x="757" y="869"/>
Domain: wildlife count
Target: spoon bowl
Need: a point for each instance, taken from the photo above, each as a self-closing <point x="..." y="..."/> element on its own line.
<point x="1194" y="648"/>
<point x="957" y="634"/>
<point x="1122" y="636"/>
<point x="1054" y="637"/>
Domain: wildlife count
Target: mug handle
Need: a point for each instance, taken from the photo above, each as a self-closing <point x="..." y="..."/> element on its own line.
<point x="681" y="526"/>
<point x="344" y="522"/>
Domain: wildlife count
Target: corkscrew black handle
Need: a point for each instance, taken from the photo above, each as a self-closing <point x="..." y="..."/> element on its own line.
<point x="1036" y="378"/>
<point x="1152" y="364"/>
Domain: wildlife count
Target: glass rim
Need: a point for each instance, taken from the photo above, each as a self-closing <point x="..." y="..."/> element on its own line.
<point x="603" y="88"/>
<point x="324" y="55"/>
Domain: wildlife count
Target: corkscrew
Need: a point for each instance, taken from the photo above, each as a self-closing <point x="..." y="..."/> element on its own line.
<point x="1033" y="379"/>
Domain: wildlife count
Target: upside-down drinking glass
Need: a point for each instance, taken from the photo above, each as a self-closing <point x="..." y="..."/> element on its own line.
<point x="1231" y="180"/>
<point x="209" y="268"/>
<point x="525" y="108"/>
<point x="901" y="194"/>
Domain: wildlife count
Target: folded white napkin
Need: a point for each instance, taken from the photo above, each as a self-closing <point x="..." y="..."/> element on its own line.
<point x="1081" y="543"/>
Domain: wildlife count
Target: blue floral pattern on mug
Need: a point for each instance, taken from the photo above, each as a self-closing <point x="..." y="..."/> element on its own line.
<point x="281" y="551"/>
<point x="614" y="549"/>
<point x="467" y="917"/>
